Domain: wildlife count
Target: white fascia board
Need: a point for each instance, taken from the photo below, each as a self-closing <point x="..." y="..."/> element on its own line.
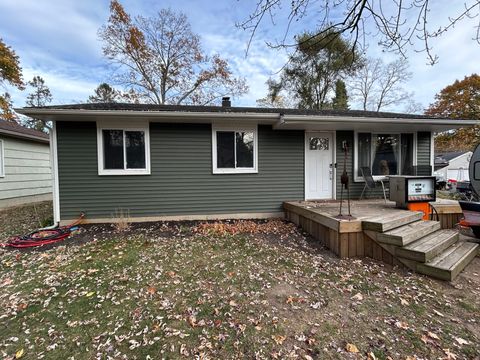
<point x="152" y="116"/>
<point x="357" y="123"/>
<point x="288" y="119"/>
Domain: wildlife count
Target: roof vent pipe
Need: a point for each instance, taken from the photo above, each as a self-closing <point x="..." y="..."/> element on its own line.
<point x="226" y="102"/>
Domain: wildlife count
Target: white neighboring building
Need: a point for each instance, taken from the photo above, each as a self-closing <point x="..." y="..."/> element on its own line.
<point x="457" y="168"/>
<point x="25" y="171"/>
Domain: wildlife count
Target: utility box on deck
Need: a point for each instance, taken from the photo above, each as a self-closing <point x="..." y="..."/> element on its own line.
<point x="405" y="190"/>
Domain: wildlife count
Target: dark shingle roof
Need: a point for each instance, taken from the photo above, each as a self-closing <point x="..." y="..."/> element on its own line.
<point x="15" y="129"/>
<point x="449" y="155"/>
<point x="219" y="109"/>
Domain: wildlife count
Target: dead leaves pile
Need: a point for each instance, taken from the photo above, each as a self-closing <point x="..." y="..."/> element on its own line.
<point x="225" y="228"/>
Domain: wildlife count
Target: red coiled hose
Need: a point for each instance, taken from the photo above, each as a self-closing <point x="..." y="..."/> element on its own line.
<point x="42" y="237"/>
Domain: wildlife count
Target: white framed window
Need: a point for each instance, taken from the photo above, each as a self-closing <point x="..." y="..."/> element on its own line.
<point x="2" y="160"/>
<point x="385" y="153"/>
<point x="234" y="149"/>
<point x="123" y="149"/>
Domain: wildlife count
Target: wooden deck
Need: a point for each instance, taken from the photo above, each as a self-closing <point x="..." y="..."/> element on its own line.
<point x="381" y="231"/>
<point x="344" y="237"/>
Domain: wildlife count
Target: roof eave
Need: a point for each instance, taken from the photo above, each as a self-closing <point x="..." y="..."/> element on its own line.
<point x="24" y="136"/>
<point x="278" y="120"/>
<point x="180" y="116"/>
<point x="362" y="123"/>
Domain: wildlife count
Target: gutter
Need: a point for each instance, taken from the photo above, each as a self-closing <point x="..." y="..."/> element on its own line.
<point x="278" y="119"/>
<point x="308" y="119"/>
<point x="49" y="114"/>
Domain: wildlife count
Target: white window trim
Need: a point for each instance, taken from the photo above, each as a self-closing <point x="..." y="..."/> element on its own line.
<point x="2" y="160"/>
<point x="118" y="125"/>
<point x="358" y="178"/>
<point x="237" y="128"/>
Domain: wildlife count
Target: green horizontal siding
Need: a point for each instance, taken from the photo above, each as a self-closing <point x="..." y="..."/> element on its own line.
<point x="424" y="153"/>
<point x="423" y="163"/>
<point x="181" y="180"/>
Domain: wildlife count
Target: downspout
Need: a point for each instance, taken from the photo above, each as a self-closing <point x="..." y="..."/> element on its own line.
<point x="280" y="122"/>
<point x="54" y="167"/>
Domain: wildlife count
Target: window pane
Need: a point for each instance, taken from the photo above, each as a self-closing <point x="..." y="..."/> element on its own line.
<point x="135" y="148"/>
<point x="386" y="154"/>
<point x="225" y="149"/>
<point x="318" y="143"/>
<point x="113" y="149"/>
<point x="407" y="155"/>
<point x="364" y="150"/>
<point x="244" y="149"/>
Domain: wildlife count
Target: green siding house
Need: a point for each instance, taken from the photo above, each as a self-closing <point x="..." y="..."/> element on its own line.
<point x="161" y="162"/>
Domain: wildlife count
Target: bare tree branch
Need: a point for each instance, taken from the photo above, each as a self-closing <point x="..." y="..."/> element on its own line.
<point x="399" y="24"/>
<point x="378" y="85"/>
<point x="162" y="59"/>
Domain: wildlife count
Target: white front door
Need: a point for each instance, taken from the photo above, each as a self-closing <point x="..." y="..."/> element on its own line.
<point x="318" y="165"/>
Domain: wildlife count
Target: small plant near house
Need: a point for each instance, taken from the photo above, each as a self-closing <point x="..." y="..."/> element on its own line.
<point x="43" y="220"/>
<point x="46" y="221"/>
<point x="121" y="219"/>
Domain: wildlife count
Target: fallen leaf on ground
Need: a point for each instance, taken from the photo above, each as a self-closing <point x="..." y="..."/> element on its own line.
<point x="433" y="335"/>
<point x="449" y="354"/>
<point x="291" y="300"/>
<point x="401" y="325"/>
<point x="90" y="294"/>
<point x="19" y="354"/>
<point x="404" y="302"/>
<point x="358" y="297"/>
<point x="461" y="341"/>
<point x="279" y="339"/>
<point x="21" y="306"/>
<point x="351" y="348"/>
<point x="192" y="321"/>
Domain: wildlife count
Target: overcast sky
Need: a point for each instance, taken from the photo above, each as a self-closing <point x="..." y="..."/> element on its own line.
<point x="57" y="39"/>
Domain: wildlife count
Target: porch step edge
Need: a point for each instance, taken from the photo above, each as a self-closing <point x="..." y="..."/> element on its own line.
<point x="448" y="264"/>
<point x="429" y="246"/>
<point x="384" y="223"/>
<point x="407" y="234"/>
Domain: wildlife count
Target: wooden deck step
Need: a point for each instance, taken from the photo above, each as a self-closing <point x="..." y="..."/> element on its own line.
<point x="448" y="264"/>
<point x="429" y="246"/>
<point x="387" y="222"/>
<point x="407" y="234"/>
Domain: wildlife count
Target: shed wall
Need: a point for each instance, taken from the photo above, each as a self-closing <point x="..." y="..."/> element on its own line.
<point x="27" y="169"/>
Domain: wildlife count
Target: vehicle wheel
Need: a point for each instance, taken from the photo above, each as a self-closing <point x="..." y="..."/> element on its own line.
<point x="476" y="231"/>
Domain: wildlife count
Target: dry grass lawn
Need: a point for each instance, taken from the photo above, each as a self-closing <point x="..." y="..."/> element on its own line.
<point x="226" y="290"/>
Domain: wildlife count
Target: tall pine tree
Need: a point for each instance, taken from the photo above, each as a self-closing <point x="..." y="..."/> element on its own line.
<point x="340" y="101"/>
